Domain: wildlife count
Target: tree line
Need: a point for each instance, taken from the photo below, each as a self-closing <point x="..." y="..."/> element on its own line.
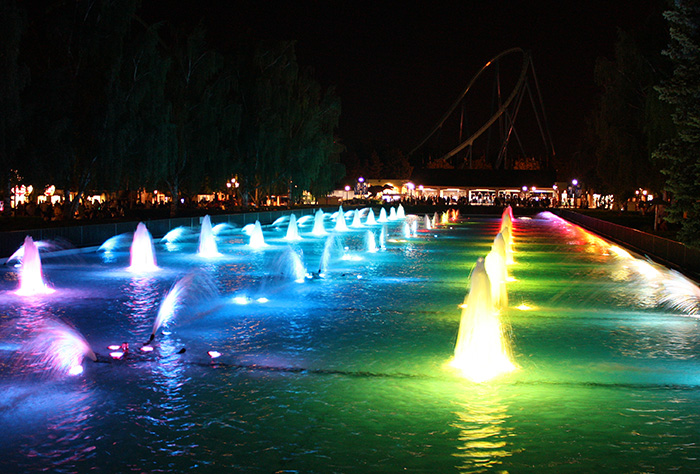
<point x="92" y="97"/>
<point x="645" y="130"/>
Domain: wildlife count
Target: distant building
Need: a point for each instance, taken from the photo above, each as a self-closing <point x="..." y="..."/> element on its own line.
<point x="474" y="186"/>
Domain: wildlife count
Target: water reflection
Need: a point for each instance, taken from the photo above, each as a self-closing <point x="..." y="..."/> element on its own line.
<point x="483" y="431"/>
<point x="143" y="298"/>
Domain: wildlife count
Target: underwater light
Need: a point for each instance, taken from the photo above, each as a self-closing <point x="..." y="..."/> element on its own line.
<point x="214" y="354"/>
<point x="114" y="347"/>
<point x="262" y="300"/>
<point x="116" y="355"/>
<point x="524" y="307"/>
<point x="75" y="370"/>
<point x="147" y="348"/>
<point x="241" y="300"/>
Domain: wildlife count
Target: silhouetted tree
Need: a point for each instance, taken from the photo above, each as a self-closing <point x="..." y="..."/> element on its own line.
<point x="629" y="122"/>
<point x="13" y="79"/>
<point x="681" y="154"/>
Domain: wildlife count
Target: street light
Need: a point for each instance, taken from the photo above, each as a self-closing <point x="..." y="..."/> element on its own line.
<point x="347" y="190"/>
<point x="410" y="187"/>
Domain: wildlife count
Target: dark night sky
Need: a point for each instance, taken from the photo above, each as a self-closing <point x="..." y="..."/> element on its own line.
<point x="398" y="66"/>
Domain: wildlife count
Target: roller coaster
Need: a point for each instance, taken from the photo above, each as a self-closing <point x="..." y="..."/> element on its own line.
<point x="505" y="110"/>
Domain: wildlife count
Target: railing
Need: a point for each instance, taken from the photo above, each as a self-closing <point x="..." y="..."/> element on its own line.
<point x="96" y="234"/>
<point x="669" y="252"/>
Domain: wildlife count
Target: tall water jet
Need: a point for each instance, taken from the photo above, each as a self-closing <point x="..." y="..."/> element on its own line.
<point x="382" y="216"/>
<point x="292" y="229"/>
<point x="370" y="218"/>
<point x="436" y="219"/>
<point x="445" y="218"/>
<point x="331" y="245"/>
<point x="508" y="241"/>
<point x="481" y="352"/>
<point x="257" y="240"/>
<point x="370" y="241"/>
<point x="392" y="214"/>
<point x="507" y="231"/>
<point x="507" y="217"/>
<point x="207" y="243"/>
<point x="426" y="222"/>
<point x="356" y="220"/>
<point x="19" y="253"/>
<point x="319" y="229"/>
<point x="400" y="213"/>
<point x="143" y="256"/>
<point x="382" y="237"/>
<point x="414" y="227"/>
<point x="406" y="230"/>
<point x="340" y="224"/>
<point x="496" y="267"/>
<point x="30" y="277"/>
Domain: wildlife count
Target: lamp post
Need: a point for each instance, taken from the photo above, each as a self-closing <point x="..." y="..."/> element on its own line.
<point x="410" y="187"/>
<point x="347" y="190"/>
<point x="361" y="186"/>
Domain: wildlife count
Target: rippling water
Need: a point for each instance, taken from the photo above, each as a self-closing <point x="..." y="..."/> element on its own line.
<point x="348" y="373"/>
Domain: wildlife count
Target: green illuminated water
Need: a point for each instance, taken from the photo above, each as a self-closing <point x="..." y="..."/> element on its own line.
<point x="348" y="374"/>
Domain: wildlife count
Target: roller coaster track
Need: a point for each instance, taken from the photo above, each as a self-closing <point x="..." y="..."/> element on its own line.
<point x="514" y="98"/>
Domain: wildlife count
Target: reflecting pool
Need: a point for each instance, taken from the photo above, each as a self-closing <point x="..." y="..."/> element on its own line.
<point x="254" y="369"/>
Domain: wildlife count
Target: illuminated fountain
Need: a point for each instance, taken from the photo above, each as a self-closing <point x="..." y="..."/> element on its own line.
<point x="319" y="229"/>
<point x="481" y="352"/>
<point x="496" y="267"/>
<point x="603" y="338"/>
<point x="257" y="240"/>
<point x="143" y="257"/>
<point x="340" y="225"/>
<point x="370" y="218"/>
<point x="406" y="230"/>
<point x="188" y="291"/>
<point x="292" y="230"/>
<point x="57" y="348"/>
<point x="207" y="243"/>
<point x="392" y="214"/>
<point x="426" y="222"/>
<point x="507" y="232"/>
<point x="382" y="216"/>
<point x="445" y="218"/>
<point x="19" y="253"/>
<point x="177" y="234"/>
<point x="330" y="248"/>
<point x="289" y="266"/>
<point x="356" y="220"/>
<point x="400" y="213"/>
<point x="370" y="241"/>
<point x="31" y="277"/>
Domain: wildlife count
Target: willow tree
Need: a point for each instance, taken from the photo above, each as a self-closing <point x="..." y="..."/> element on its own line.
<point x="78" y="53"/>
<point x="681" y="154"/>
<point x="138" y="115"/>
<point x="310" y="120"/>
<point x="196" y="88"/>
<point x="629" y="121"/>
